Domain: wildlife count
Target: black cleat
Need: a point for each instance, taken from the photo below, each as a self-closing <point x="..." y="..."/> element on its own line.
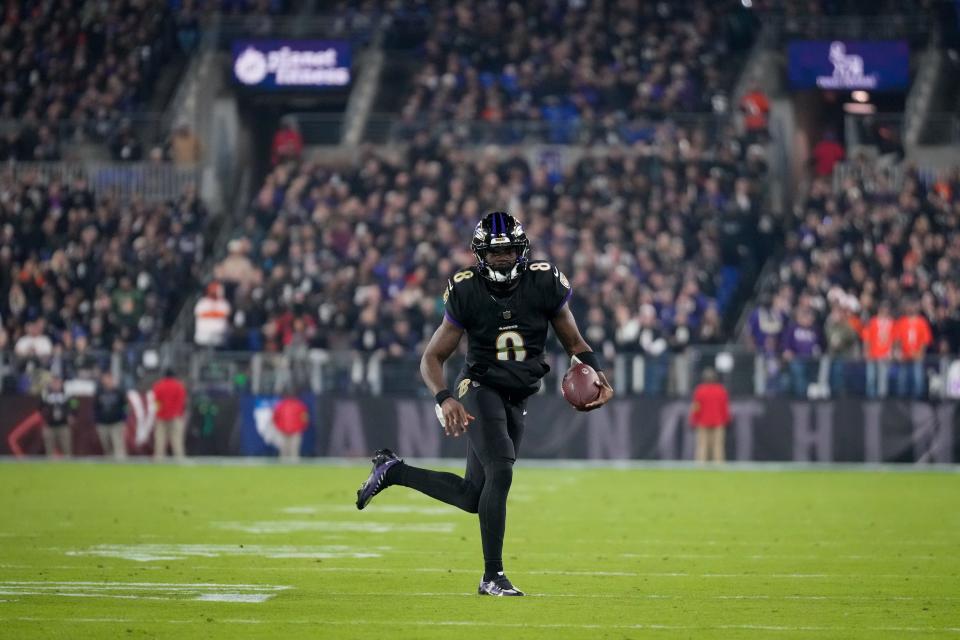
<point x="499" y="586"/>
<point x="383" y="459"/>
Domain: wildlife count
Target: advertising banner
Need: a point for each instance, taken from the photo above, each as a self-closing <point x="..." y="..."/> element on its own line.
<point x="849" y="65"/>
<point x="777" y="429"/>
<point x="291" y="64"/>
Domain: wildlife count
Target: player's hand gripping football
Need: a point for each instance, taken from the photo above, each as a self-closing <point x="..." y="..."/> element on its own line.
<point x="606" y="392"/>
<point x="455" y="418"/>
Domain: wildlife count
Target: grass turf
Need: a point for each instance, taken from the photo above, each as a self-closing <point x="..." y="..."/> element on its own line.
<point x="606" y="553"/>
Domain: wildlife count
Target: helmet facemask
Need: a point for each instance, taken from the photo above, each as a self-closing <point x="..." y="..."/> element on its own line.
<point x="501" y="271"/>
<point x="498" y="231"/>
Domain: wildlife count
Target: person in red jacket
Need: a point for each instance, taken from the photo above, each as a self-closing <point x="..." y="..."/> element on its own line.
<point x="291" y="418"/>
<point x="287" y="142"/>
<point x="171" y="397"/>
<point x="709" y="415"/>
<point x="826" y="154"/>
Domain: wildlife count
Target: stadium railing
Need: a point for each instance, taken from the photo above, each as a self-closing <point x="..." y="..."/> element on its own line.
<point x="145" y="181"/>
<point x="222" y="31"/>
<point x="745" y="373"/>
<point x="567" y="131"/>
<point x="147" y="127"/>
<point x="914" y="27"/>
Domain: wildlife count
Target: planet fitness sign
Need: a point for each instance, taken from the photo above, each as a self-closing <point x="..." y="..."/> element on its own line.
<point x="849" y="65"/>
<point x="291" y="64"/>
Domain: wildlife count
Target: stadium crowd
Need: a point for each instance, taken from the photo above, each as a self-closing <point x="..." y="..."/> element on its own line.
<point x="81" y="275"/>
<point x="78" y="68"/>
<point x="79" y="71"/>
<point x="585" y="62"/>
<point x="356" y="257"/>
<point x="870" y="270"/>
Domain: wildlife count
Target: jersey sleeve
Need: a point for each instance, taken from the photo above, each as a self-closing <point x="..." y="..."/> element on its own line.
<point x="557" y="289"/>
<point x="455" y="300"/>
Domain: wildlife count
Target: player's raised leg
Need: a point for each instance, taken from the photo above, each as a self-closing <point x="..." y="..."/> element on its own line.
<point x="463" y="493"/>
<point x="376" y="482"/>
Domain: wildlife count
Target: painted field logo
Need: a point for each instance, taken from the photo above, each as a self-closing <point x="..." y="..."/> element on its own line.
<point x="203" y="592"/>
<point x="161" y="552"/>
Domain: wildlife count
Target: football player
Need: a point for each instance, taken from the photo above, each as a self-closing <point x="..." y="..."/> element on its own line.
<point x="504" y="304"/>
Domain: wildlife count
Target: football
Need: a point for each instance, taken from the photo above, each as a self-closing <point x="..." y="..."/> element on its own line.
<point x="579" y="386"/>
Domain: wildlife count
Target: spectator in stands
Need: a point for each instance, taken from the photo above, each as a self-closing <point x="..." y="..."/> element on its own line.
<point x="287" y="142"/>
<point x="34" y="344"/>
<point x="58" y="410"/>
<point x="236" y="269"/>
<point x="211" y="317"/>
<point x="681" y="334"/>
<point x="125" y="146"/>
<point x="186" y="149"/>
<point x="711" y="329"/>
<point x="654" y="344"/>
<point x="913" y="337"/>
<point x="802" y="343"/>
<point x="710" y="415"/>
<point x="948" y="330"/>
<point x="110" y="414"/>
<point x="127" y="303"/>
<point x="767" y="324"/>
<point x="92" y="266"/>
<point x="842" y="335"/>
<point x="826" y="154"/>
<point x="588" y="63"/>
<point x="170" y="395"/>
<point x="755" y="108"/>
<point x="878" y="342"/>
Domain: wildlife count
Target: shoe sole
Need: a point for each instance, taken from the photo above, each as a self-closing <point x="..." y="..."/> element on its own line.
<point x="386" y="466"/>
<point x="481" y="592"/>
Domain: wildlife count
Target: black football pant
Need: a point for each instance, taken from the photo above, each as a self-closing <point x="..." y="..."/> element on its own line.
<point x="494" y="442"/>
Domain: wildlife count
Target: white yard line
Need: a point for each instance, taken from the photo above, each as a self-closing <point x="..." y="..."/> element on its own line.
<point x="643" y="596"/>
<point x="314" y="509"/>
<point x="641" y="574"/>
<point x="757" y="544"/>
<point x="353" y="526"/>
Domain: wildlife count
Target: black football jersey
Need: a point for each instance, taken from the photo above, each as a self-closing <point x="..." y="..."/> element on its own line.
<point x="506" y="335"/>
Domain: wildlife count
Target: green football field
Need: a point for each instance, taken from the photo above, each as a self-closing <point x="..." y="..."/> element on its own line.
<point x="203" y="551"/>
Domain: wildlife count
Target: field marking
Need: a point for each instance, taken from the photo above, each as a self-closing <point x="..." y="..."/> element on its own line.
<point x="159" y="552"/>
<point x="353" y="526"/>
<point x="756" y="556"/>
<point x="201" y="592"/>
<point x="504" y="625"/>
<point x="381" y="508"/>
<point x="637" y="542"/>
<point x="642" y="574"/>
<point x="643" y="596"/>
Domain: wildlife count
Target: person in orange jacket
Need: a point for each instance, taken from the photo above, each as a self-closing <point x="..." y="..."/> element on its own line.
<point x="710" y="415"/>
<point x="913" y="337"/>
<point x="878" y="340"/>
